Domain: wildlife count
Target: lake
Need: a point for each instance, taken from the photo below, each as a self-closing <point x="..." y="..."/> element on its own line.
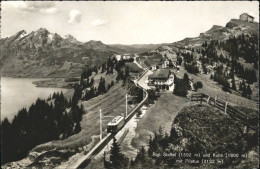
<point x="17" y="93"/>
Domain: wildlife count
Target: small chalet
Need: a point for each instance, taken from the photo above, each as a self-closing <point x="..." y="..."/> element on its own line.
<point x="154" y="67"/>
<point x="165" y="63"/>
<point x="126" y="56"/>
<point x="245" y="17"/>
<point x="162" y="78"/>
<point x="118" y="57"/>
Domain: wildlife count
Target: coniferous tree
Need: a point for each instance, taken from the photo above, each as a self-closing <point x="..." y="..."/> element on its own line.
<point x="86" y="83"/>
<point x="102" y="86"/>
<point x="142" y="160"/>
<point x="240" y="86"/>
<point x="92" y="81"/>
<point x="112" y="68"/>
<point x="117" y="159"/>
<point x="77" y="128"/>
<point x="150" y="149"/>
<point x="108" y="65"/>
<point x="244" y="91"/>
<point x="181" y="88"/>
<point x="249" y="91"/>
<point x="179" y="60"/>
<point x="127" y="71"/>
<point x="112" y="83"/>
<point x="186" y="81"/>
<point x="96" y="69"/>
<point x="103" y="67"/>
<point x="233" y="84"/>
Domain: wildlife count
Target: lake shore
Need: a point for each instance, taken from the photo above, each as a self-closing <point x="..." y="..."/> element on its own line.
<point x="55" y="83"/>
<point x="17" y="93"/>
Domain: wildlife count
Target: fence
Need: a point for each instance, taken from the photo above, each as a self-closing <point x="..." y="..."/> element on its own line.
<point x="233" y="112"/>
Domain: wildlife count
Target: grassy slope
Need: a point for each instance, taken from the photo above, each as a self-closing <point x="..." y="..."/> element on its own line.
<point x="151" y="59"/>
<point x="111" y="103"/>
<point x="133" y="67"/>
<point x="162" y="114"/>
<point x="209" y="130"/>
<point x="213" y="89"/>
<point x="208" y="124"/>
<point x="108" y="77"/>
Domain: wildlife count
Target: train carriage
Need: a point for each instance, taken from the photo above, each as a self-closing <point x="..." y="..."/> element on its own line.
<point x="116" y="124"/>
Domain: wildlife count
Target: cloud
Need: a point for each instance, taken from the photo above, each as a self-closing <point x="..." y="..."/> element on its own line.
<point x="74" y="17"/>
<point x="98" y="22"/>
<point x="42" y="7"/>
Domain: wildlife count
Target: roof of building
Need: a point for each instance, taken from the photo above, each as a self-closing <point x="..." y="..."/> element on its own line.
<point x="247" y="15"/>
<point x="160" y="73"/>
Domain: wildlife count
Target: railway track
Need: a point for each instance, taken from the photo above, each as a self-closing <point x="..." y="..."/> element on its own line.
<point x="84" y="162"/>
<point x="87" y="161"/>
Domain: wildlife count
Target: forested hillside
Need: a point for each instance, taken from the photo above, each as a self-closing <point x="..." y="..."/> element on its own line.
<point x="230" y="55"/>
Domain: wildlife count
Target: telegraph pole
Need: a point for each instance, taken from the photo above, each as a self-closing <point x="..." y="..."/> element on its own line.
<point x="100" y="114"/>
<point x="126" y="105"/>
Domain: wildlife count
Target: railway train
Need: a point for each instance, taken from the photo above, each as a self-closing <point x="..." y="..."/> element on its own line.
<point x="116" y="124"/>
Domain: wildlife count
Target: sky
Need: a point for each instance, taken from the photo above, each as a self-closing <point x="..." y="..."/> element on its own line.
<point x="136" y="22"/>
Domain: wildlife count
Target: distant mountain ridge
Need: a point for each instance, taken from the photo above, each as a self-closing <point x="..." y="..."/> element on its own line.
<point x="138" y="48"/>
<point x="45" y="54"/>
<point x="234" y="27"/>
<point x="98" y="45"/>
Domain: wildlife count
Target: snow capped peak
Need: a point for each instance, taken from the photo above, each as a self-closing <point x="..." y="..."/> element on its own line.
<point x="50" y="36"/>
<point x="20" y="34"/>
<point x="23" y="34"/>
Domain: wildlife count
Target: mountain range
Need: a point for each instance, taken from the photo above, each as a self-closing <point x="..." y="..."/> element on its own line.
<point x="44" y="54"/>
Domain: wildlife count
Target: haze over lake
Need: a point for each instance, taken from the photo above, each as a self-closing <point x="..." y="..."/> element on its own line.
<point x="17" y="93"/>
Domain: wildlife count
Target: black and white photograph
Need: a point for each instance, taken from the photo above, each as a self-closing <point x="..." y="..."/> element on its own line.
<point x="129" y="84"/>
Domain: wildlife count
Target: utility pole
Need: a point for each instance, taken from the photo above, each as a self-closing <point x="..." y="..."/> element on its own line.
<point x="100" y="114"/>
<point x="126" y="105"/>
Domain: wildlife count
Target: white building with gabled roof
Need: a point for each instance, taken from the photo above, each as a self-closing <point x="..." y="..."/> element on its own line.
<point x="246" y="17"/>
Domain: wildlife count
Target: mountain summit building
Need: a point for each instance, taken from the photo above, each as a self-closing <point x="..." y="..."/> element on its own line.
<point x="245" y="17"/>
